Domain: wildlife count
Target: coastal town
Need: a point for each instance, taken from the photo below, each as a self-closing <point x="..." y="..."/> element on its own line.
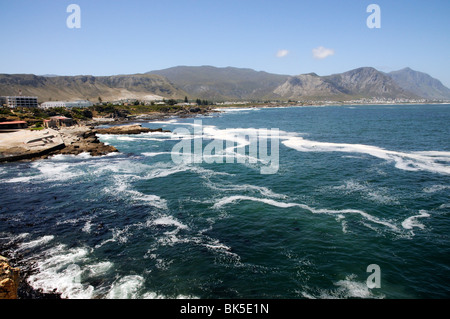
<point x="33" y="130"/>
<point x="29" y="130"/>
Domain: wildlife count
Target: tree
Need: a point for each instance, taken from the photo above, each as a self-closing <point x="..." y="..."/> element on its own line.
<point x="172" y="102"/>
<point x="100" y="100"/>
<point x="186" y="99"/>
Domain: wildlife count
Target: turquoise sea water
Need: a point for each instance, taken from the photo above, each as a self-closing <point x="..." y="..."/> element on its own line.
<point x="355" y="186"/>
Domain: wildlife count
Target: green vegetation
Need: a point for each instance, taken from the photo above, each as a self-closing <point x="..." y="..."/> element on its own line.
<point x="35" y="116"/>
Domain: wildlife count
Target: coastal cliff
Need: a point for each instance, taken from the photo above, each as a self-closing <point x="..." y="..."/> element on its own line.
<point x="9" y="280"/>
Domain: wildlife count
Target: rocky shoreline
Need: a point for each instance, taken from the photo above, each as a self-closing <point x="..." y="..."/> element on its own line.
<point x="79" y="139"/>
<point x="13" y="279"/>
<point x="9" y="280"/>
<point x="75" y="140"/>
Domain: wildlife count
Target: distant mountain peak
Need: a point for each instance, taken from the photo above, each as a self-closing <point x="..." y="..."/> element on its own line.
<point x="364" y="82"/>
<point x="421" y="84"/>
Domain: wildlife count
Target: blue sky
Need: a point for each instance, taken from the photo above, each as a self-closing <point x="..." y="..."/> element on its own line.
<point x="136" y="36"/>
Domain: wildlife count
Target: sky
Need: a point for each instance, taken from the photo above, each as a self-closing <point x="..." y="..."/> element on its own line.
<point x="283" y="37"/>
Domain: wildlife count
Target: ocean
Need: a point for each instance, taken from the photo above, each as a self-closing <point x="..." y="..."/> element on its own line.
<point x="279" y="203"/>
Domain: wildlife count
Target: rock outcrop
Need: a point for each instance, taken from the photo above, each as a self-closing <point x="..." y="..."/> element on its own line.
<point x="127" y="129"/>
<point x="9" y="280"/>
<point x="85" y="142"/>
<point x="72" y="141"/>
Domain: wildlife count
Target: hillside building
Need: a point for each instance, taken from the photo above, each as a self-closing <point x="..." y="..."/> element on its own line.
<point x="67" y="104"/>
<point x="19" y="101"/>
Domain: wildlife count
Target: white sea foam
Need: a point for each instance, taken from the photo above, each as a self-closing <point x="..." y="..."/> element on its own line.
<point x="232" y="199"/>
<point x="49" y="171"/>
<point x="128" y="287"/>
<point x="237" y="109"/>
<point x="87" y="227"/>
<point x="264" y="191"/>
<point x="432" y="161"/>
<point x="132" y="287"/>
<point x="153" y="200"/>
<point x="14" y="238"/>
<point x="60" y="271"/>
<point x="218" y="247"/>
<point x="348" y="288"/>
<point x="436" y="188"/>
<point x="64" y="157"/>
<point x="378" y="195"/>
<point x="351" y="288"/>
<point x="153" y="154"/>
<point x="412" y="222"/>
<point x="35" y="243"/>
<point x="414" y="161"/>
<point x="171" y="121"/>
<point x="168" y="221"/>
<point x="121" y="188"/>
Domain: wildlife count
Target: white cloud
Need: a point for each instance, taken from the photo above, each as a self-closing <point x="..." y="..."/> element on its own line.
<point x="282" y="53"/>
<point x="322" y="53"/>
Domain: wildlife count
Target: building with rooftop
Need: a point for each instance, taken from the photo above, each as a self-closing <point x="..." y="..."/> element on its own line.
<point x="58" y="121"/>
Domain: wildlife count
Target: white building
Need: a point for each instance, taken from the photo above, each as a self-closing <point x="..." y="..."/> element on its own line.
<point x="69" y="104"/>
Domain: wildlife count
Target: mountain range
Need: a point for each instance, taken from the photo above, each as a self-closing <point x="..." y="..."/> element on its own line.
<point x="108" y="88"/>
<point x="229" y="84"/>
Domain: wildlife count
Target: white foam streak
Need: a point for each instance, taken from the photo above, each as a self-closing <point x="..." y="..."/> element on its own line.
<point x="122" y="187"/>
<point x="231" y="199"/>
<point x="412" y="221"/>
<point x="168" y="221"/>
<point x="35" y="243"/>
<point x="153" y="154"/>
<point x="237" y="109"/>
<point x="415" y="161"/>
<point x="436" y="188"/>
